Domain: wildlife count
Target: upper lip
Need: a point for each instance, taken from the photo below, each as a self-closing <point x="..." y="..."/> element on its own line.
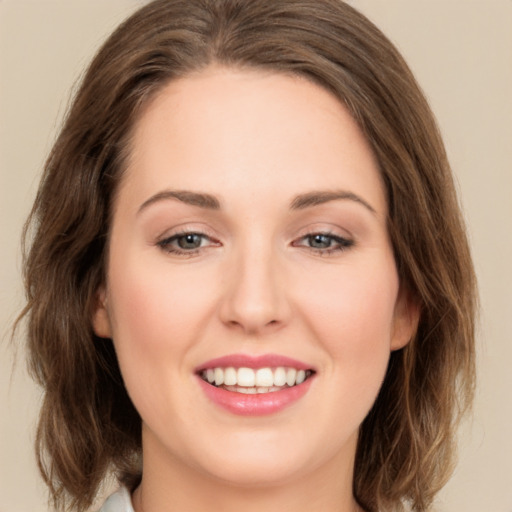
<point x="250" y="361"/>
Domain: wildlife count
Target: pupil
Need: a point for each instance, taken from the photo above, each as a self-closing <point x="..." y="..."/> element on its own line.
<point x="320" y="241"/>
<point x="190" y="241"/>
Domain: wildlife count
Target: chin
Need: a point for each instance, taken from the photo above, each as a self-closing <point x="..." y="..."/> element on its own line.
<point x="257" y="473"/>
<point x="260" y="462"/>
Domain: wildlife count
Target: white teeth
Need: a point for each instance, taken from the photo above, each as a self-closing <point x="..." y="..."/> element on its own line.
<point x="262" y="380"/>
<point x="219" y="376"/>
<point x="264" y="377"/>
<point x="247" y="391"/>
<point x="291" y="373"/>
<point x="252" y="391"/>
<point x="280" y="376"/>
<point x="230" y="377"/>
<point x="246" y="377"/>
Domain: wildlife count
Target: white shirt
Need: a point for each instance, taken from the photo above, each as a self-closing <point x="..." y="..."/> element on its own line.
<point x="120" y="501"/>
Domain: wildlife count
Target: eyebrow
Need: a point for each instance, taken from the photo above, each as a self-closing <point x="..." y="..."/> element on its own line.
<point x="201" y="200"/>
<point x="316" y="198"/>
<point x="300" y="202"/>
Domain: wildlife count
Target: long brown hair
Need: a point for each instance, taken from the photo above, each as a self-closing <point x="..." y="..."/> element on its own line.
<point x="88" y="426"/>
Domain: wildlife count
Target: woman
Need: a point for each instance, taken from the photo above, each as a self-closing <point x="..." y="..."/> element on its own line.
<point x="248" y="282"/>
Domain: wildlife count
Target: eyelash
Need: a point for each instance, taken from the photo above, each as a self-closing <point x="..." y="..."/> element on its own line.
<point x="166" y="243"/>
<point x="341" y="244"/>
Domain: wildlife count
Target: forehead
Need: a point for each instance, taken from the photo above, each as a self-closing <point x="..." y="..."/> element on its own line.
<point x="221" y="129"/>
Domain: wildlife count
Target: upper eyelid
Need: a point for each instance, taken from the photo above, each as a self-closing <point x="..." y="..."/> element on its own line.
<point x="186" y="229"/>
<point x="328" y="229"/>
<point x="203" y="232"/>
<point x="325" y="233"/>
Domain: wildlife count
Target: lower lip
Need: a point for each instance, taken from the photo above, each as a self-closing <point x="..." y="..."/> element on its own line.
<point x="258" y="404"/>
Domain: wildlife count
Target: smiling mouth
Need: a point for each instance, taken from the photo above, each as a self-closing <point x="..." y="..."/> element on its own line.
<point x="255" y="381"/>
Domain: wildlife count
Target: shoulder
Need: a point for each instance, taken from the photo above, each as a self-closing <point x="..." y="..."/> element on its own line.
<point x="120" y="501"/>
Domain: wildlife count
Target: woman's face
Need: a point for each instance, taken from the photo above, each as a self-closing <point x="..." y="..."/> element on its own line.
<point x="249" y="231"/>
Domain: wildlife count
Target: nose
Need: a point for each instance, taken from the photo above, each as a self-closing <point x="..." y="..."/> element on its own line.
<point x="254" y="298"/>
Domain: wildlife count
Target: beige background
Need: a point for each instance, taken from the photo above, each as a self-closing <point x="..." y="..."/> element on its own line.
<point x="461" y="51"/>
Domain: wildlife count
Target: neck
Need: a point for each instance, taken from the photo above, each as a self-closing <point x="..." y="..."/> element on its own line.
<point x="170" y="486"/>
<point x="232" y="499"/>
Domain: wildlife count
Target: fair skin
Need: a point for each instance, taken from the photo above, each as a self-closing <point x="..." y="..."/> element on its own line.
<point x="270" y="266"/>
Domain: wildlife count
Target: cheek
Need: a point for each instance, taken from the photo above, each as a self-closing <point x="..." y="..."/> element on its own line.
<point x="351" y="313"/>
<point x="153" y="305"/>
<point x="156" y="315"/>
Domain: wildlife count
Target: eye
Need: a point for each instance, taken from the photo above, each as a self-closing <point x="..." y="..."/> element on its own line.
<point x="186" y="243"/>
<point x="190" y="241"/>
<point x="324" y="243"/>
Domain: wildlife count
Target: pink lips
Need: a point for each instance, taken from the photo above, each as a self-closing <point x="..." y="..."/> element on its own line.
<point x="246" y="361"/>
<point x="257" y="404"/>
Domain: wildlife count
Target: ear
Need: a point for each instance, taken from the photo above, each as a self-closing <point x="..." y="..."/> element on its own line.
<point x="405" y="319"/>
<point x="100" y="318"/>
